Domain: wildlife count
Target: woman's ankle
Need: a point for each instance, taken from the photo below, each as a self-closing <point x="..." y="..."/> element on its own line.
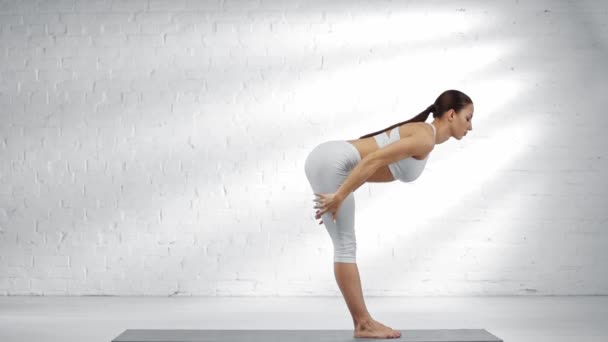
<point x="364" y="320"/>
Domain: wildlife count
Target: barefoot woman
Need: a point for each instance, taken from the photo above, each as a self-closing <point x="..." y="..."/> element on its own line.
<point x="335" y="169"/>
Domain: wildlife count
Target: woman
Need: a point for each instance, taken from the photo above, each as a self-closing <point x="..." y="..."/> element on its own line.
<point x="335" y="169"/>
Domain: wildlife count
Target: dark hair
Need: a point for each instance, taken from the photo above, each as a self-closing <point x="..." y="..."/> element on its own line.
<point x="449" y="99"/>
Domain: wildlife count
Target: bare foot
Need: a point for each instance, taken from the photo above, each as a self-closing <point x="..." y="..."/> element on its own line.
<point x="375" y="329"/>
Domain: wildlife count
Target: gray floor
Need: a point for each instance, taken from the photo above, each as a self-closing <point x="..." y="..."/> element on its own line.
<point x="92" y="319"/>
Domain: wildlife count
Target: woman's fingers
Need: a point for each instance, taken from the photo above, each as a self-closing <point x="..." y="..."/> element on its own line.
<point x="317" y="216"/>
<point x="322" y="206"/>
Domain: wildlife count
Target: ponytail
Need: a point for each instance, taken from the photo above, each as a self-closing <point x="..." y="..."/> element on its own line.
<point x="418" y="118"/>
<point x="449" y="99"/>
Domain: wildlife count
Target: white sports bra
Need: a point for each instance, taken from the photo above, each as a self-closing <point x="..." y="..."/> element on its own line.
<point x="407" y="169"/>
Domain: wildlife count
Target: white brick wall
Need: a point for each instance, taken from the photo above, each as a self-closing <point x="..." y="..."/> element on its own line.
<point x="157" y="147"/>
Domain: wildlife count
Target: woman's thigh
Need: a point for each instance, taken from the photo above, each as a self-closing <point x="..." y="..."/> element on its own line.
<point x="327" y="166"/>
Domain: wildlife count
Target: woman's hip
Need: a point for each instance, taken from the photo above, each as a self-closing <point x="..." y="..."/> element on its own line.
<point x="331" y="159"/>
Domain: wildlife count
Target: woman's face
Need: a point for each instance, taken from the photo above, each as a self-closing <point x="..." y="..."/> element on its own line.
<point x="462" y="122"/>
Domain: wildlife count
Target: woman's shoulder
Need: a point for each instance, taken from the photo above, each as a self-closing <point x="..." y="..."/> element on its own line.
<point x="418" y="128"/>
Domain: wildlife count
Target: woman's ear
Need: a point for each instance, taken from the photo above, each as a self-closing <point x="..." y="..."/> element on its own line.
<point x="451" y="114"/>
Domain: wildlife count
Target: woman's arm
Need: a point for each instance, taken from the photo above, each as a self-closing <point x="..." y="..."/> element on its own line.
<point x="357" y="177"/>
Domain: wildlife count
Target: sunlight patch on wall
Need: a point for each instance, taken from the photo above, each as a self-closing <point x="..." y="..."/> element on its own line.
<point x="454" y="179"/>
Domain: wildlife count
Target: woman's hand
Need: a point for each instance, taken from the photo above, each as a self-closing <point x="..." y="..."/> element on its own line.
<point x="328" y="203"/>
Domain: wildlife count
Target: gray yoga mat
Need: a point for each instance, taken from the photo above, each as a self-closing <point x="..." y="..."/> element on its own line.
<point x="429" y="335"/>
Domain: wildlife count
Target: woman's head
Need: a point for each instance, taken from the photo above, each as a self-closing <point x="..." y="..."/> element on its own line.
<point x="453" y="105"/>
<point x="456" y="108"/>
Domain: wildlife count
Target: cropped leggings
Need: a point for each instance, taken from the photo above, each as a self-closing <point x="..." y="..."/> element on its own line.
<point x="326" y="167"/>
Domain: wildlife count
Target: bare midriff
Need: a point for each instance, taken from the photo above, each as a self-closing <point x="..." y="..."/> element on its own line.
<point x="368" y="145"/>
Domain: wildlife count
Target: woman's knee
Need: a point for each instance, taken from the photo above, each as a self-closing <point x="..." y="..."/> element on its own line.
<point x="349" y="256"/>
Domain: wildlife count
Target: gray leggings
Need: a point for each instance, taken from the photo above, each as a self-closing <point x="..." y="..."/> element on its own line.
<point x="326" y="167"/>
